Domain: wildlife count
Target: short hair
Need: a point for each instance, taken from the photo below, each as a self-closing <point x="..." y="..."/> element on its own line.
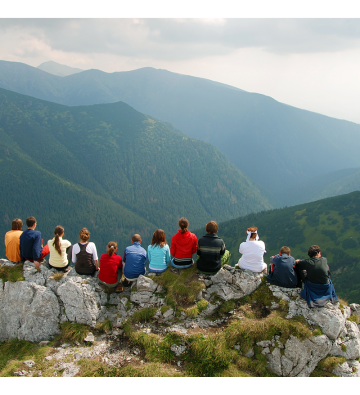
<point x="212" y="227"/>
<point x="136" y="238"/>
<point x="112" y="246"/>
<point x="84" y="234"/>
<point x="16" y="224"/>
<point x="313" y="251"/>
<point x="158" y="238"/>
<point x="30" y="221"/>
<point x="285" y="250"/>
<point x="183" y="224"/>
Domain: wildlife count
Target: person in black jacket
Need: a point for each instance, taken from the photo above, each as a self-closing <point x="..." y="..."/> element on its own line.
<point x="211" y="250"/>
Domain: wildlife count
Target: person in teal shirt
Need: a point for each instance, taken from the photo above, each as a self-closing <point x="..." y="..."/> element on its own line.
<point x="158" y="252"/>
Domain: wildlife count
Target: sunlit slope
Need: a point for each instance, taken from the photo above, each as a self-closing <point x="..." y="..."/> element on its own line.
<point x="332" y="223"/>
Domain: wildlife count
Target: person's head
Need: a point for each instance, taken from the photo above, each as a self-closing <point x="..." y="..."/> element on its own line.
<point x="58" y="232"/>
<point x="112" y="247"/>
<point x="212" y="227"/>
<point x="183" y="224"/>
<point x="30" y="222"/>
<point x="285" y="250"/>
<point x="313" y="251"/>
<point x="16" y="224"/>
<point x="253" y="231"/>
<point x="136" y="238"/>
<point x="158" y="238"/>
<point x="84" y="235"/>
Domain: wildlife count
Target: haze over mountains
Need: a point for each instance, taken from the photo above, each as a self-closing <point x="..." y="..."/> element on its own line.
<point x="272" y="143"/>
<point x="111" y="169"/>
<point x="58" y="69"/>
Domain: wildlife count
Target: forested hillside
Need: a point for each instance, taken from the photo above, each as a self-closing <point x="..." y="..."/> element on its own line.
<point x="332" y="223"/>
<point x="272" y="143"/>
<point x="111" y="168"/>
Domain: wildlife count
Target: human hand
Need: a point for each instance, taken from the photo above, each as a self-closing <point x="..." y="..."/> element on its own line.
<point x="37" y="264"/>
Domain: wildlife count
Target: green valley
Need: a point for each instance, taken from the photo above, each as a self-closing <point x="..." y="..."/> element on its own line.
<point x="332" y="223"/>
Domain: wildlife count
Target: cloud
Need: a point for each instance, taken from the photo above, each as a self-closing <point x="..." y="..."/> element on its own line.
<point x="183" y="39"/>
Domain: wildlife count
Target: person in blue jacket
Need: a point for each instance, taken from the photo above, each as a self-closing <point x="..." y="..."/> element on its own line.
<point x="282" y="269"/>
<point x="158" y="252"/>
<point x="134" y="259"/>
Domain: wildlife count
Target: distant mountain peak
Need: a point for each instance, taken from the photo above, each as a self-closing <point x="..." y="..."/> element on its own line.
<point x="58" y="69"/>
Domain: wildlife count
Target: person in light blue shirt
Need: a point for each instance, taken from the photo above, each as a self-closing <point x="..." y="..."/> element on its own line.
<point x="158" y="252"/>
<point x="134" y="259"/>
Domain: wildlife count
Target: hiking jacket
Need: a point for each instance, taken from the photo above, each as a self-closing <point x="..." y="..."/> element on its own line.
<point x="183" y="245"/>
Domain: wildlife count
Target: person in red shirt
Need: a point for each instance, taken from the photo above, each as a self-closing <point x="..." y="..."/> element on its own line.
<point x="183" y="246"/>
<point x="111" y="268"/>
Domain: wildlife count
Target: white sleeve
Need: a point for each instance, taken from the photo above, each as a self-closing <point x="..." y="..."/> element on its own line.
<point x="75" y="251"/>
<point x="91" y="249"/>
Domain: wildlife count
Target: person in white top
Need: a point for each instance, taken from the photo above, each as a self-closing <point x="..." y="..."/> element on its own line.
<point x="59" y="248"/>
<point x="252" y="251"/>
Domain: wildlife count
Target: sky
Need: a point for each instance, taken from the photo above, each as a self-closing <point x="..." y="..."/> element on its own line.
<point x="308" y="56"/>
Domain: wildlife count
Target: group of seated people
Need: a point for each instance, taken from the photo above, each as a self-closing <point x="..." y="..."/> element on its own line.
<point x="116" y="272"/>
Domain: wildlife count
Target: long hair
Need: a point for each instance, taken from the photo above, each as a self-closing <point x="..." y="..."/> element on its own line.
<point x="183" y="224"/>
<point x="158" y="238"/>
<point x="112" y="246"/>
<point x="59" y="230"/>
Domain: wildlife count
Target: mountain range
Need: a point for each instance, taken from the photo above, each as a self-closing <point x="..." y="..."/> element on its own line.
<point x="112" y="169"/>
<point x="270" y="142"/>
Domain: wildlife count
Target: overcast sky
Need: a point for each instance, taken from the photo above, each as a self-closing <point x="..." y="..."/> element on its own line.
<point x="308" y="63"/>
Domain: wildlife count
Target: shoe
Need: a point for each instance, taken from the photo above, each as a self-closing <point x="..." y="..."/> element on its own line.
<point x="119" y="288"/>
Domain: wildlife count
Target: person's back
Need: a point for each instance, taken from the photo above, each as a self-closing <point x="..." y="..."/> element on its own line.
<point x="282" y="271"/>
<point x="111" y="268"/>
<point x="12" y="241"/>
<point x="318" y="287"/>
<point x="84" y="254"/>
<point x="134" y="259"/>
<point x="31" y="243"/>
<point x="183" y="246"/>
<point x="252" y="251"/>
<point x="158" y="252"/>
<point x="59" y="249"/>
<point x="210" y="250"/>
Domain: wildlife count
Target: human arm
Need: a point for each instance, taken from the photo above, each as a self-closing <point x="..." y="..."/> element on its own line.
<point x="149" y="253"/>
<point x="222" y="251"/>
<point x="173" y="246"/>
<point x="96" y="262"/>
<point x="37" y="248"/>
<point x="167" y="255"/>
<point x="124" y="256"/>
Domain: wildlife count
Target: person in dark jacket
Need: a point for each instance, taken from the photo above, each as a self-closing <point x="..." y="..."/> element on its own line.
<point x="31" y="248"/>
<point x="315" y="273"/>
<point x="211" y="250"/>
<point x="282" y="269"/>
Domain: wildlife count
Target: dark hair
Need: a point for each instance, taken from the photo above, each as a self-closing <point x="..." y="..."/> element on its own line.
<point x="253" y="230"/>
<point x="158" y="238"/>
<point x="212" y="227"/>
<point x="59" y="230"/>
<point x="183" y="224"/>
<point x="84" y="234"/>
<point x="285" y="250"/>
<point x="136" y="238"/>
<point x="16" y="224"/>
<point x="313" y="250"/>
<point x="30" y="221"/>
<point x="112" y="246"/>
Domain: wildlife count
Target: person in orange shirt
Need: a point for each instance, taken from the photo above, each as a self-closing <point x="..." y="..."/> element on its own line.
<point x="12" y="241"/>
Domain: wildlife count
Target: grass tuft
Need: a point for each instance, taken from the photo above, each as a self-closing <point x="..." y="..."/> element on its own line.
<point x="180" y="289"/>
<point x="12" y="274"/>
<point x="73" y="331"/>
<point x="326" y="366"/>
<point x="58" y="276"/>
<point x="143" y="315"/>
<point x="354" y="318"/>
<point x="105" y="326"/>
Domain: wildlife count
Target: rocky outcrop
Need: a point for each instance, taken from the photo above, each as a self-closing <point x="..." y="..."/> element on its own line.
<point x="33" y="309"/>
